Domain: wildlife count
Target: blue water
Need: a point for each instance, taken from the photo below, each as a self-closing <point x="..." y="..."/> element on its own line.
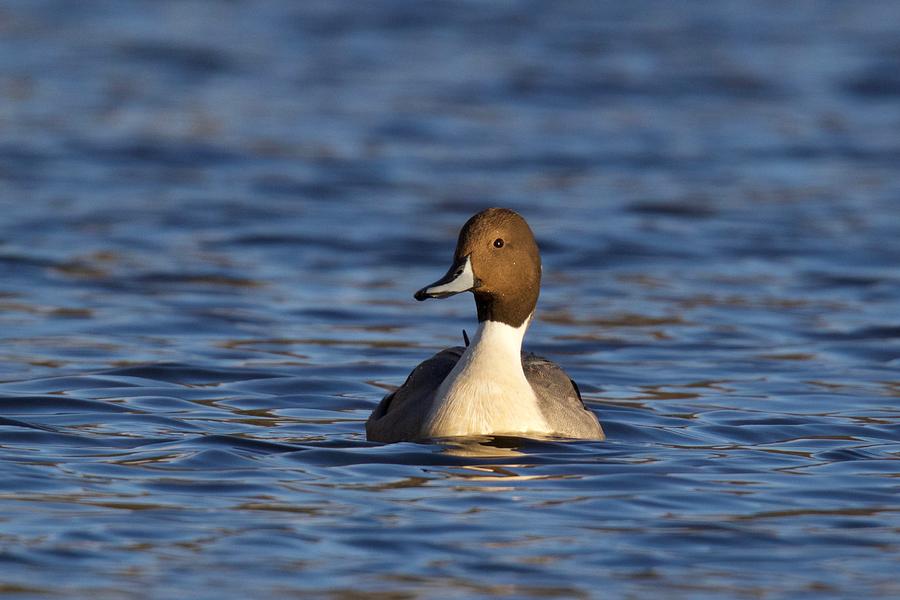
<point x="213" y="216"/>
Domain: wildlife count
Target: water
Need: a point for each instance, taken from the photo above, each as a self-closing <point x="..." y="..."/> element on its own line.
<point x="213" y="217"/>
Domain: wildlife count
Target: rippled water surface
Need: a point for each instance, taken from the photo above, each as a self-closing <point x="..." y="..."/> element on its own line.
<point x="212" y="219"/>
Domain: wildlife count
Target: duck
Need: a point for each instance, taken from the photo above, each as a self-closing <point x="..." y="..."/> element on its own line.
<point x="490" y="387"/>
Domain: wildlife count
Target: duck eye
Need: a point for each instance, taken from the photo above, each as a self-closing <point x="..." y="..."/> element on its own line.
<point x="498" y="243"/>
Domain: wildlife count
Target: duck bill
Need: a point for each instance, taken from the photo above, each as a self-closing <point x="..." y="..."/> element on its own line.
<point x="459" y="278"/>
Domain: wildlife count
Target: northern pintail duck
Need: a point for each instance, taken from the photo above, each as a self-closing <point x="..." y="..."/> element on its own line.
<point x="490" y="387"/>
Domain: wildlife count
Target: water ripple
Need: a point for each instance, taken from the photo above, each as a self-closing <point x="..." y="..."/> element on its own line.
<point x="213" y="218"/>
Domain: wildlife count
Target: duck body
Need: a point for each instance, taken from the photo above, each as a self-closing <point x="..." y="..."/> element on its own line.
<point x="489" y="387"/>
<point x="403" y="415"/>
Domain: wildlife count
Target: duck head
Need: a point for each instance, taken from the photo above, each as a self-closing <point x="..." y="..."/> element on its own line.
<point x="497" y="259"/>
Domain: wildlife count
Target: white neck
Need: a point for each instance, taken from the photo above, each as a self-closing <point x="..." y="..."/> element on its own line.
<point x="487" y="392"/>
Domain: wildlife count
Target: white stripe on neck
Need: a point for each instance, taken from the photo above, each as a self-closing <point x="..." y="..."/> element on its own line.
<point x="487" y="392"/>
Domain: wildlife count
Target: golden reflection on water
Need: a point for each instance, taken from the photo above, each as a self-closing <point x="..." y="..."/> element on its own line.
<point x="496" y="474"/>
<point x="477" y="447"/>
<point x="487" y="447"/>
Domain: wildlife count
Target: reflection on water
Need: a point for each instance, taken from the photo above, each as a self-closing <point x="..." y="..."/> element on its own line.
<point x="212" y="219"/>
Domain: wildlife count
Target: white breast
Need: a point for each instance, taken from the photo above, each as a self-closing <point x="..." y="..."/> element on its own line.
<point x="487" y="392"/>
